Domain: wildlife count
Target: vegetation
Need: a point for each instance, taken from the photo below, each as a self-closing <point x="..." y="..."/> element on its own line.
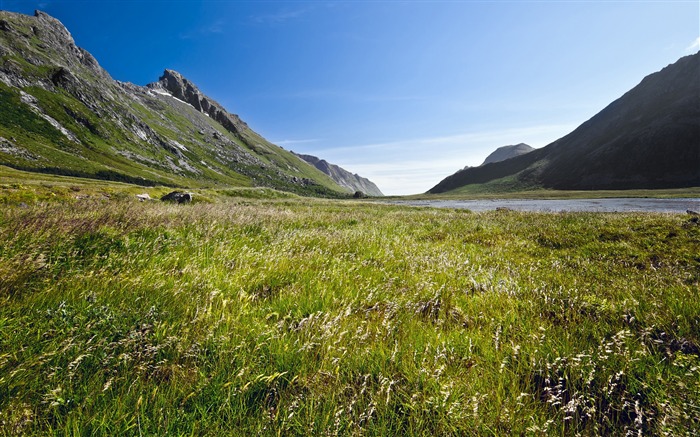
<point x="484" y="192"/>
<point x="309" y="317"/>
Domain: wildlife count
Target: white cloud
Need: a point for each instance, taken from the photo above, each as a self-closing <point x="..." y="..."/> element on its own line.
<point x="405" y="177"/>
<point x="414" y="166"/>
<point x="695" y="46"/>
<point x="278" y="17"/>
<point x="214" y="28"/>
<point x="286" y="143"/>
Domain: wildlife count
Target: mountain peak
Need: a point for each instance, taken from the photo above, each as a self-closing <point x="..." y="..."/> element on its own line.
<point x="507" y="152"/>
<point x="182" y="89"/>
<point x="41" y="40"/>
<point x="60" y="34"/>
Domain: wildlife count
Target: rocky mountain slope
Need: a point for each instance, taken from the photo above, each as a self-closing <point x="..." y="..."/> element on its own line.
<point x="648" y="138"/>
<point x="507" y="152"/>
<point x="342" y="177"/>
<point x="61" y="113"/>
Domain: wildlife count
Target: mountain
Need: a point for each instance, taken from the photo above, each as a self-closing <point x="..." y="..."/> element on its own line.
<point x="648" y="138"/>
<point x="342" y="177"/>
<point x="61" y="113"/>
<point x="507" y="152"/>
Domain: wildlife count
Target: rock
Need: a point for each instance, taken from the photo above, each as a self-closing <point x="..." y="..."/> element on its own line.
<point x="691" y="212"/>
<point x="64" y="78"/>
<point x="359" y="195"/>
<point x="177" y="196"/>
<point x="143" y="197"/>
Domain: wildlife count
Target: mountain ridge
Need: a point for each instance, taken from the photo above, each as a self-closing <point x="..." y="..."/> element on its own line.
<point x="649" y="138"/>
<point x="342" y="177"/>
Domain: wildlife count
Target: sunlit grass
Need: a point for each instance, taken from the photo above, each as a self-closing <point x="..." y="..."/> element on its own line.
<point x="302" y="317"/>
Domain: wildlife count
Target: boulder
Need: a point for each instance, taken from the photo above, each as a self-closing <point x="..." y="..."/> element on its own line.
<point x="177" y="196"/>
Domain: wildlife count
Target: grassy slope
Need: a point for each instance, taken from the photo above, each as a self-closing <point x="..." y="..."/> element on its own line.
<point x="55" y="153"/>
<point x="107" y="147"/>
<point x="511" y="188"/>
<point x="96" y="156"/>
<point x="317" y="317"/>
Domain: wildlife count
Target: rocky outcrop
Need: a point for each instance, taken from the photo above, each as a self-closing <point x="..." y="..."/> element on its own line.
<point x="353" y="182"/>
<point x="507" y="152"/>
<point x="179" y="87"/>
<point x="647" y="139"/>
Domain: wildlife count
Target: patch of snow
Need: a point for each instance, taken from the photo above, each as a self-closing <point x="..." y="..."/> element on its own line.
<point x="165" y="93"/>
<point x="184" y="102"/>
<point x="161" y="92"/>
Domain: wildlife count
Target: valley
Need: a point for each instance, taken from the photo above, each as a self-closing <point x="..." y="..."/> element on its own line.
<point x="285" y="295"/>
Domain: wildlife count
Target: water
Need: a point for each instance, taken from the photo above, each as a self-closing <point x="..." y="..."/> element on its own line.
<point x="559" y="205"/>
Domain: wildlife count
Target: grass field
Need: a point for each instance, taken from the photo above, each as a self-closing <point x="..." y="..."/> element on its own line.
<point x="306" y="317"/>
<point x="475" y="193"/>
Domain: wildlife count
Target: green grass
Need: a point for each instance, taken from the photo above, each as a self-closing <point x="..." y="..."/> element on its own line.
<point x="482" y="192"/>
<point x="292" y="316"/>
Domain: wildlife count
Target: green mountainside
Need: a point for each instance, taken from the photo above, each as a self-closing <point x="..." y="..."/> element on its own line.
<point x="647" y="139"/>
<point x="61" y="113"/>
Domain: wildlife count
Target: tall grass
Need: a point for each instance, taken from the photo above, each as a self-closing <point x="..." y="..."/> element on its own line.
<point x="298" y="317"/>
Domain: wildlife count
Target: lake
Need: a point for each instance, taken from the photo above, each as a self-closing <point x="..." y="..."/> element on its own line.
<point x="559" y="205"/>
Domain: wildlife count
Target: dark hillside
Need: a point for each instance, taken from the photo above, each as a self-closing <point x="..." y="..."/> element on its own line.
<point x="648" y="138"/>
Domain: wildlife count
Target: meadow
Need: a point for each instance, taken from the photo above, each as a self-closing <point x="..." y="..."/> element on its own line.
<point x="293" y="316"/>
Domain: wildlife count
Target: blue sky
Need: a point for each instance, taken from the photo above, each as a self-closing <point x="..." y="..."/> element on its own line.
<point x="402" y="92"/>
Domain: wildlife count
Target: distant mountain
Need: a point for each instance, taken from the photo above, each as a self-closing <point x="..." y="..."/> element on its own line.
<point x="648" y="138"/>
<point x="342" y="177"/>
<point x="507" y="152"/>
<point x="61" y="113"/>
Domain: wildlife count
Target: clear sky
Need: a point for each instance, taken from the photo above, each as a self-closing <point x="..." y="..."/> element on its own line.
<point x="401" y="92"/>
